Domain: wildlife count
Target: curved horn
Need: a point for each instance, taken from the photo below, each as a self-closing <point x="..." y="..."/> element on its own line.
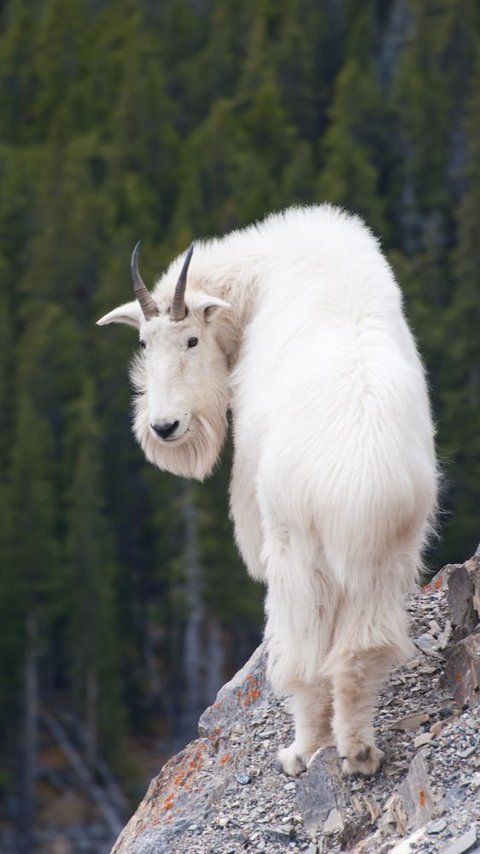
<point x="147" y="303"/>
<point x="178" y="310"/>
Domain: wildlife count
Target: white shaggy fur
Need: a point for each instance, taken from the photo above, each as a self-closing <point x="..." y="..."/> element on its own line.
<point x="302" y="334"/>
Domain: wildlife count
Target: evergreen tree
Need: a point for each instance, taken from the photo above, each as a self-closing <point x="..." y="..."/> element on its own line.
<point x="18" y="80"/>
<point x="350" y="174"/>
<point x="461" y="386"/>
<point x="89" y="588"/>
<point x="30" y="581"/>
<point x="306" y="67"/>
<point x="428" y="100"/>
<point x="208" y="176"/>
<point x="142" y="162"/>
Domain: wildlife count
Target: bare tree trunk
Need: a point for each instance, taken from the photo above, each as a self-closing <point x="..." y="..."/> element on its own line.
<point x="91" y="720"/>
<point x="96" y="793"/>
<point x="216" y="660"/>
<point x="30" y="738"/>
<point x="103" y="771"/>
<point x="193" y="652"/>
<point x="154" y="683"/>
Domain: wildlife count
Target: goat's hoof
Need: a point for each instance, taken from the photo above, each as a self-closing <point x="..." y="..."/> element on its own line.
<point x="291" y="763"/>
<point x="363" y="759"/>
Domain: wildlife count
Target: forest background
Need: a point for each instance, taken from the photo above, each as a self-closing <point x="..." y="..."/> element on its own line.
<point x="123" y="604"/>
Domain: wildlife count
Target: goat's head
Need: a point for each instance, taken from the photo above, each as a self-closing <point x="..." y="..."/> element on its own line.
<point x="180" y="375"/>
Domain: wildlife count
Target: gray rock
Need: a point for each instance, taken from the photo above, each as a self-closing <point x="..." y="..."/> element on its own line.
<point x="196" y="778"/>
<point x="284" y="834"/>
<point x="463" y="843"/>
<point x="151" y="842"/>
<point x="463" y="671"/>
<point x="415" y="793"/>
<point x="321" y="789"/>
<point x="247" y="689"/>
<point x="243" y="778"/>
<point x="463" y="597"/>
<point x="334" y="822"/>
<point x="436" y="826"/>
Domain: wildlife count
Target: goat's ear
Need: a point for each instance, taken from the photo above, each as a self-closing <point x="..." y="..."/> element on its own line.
<point x="210" y="307"/>
<point x="130" y="313"/>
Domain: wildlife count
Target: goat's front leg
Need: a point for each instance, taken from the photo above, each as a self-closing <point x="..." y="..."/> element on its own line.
<point x="246" y="517"/>
<point x="312" y="714"/>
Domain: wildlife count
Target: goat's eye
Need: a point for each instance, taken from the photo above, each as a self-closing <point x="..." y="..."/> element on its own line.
<point x="142" y="343"/>
<point x="192" y="342"/>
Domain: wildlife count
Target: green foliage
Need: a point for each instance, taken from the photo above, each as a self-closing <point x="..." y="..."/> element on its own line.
<point x="90" y="575"/>
<point x="166" y="122"/>
<point x="460" y="392"/>
<point x="29" y="580"/>
<point x="352" y="145"/>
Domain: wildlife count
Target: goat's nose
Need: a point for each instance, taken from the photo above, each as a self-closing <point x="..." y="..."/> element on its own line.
<point x="164" y="429"/>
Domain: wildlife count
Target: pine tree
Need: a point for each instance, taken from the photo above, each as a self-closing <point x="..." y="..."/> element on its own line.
<point x="59" y="60"/>
<point x="428" y="100"/>
<point x="350" y="173"/>
<point x="18" y="80"/>
<point x="61" y="268"/>
<point x="30" y="576"/>
<point x="305" y="68"/>
<point x="142" y="163"/>
<point x="90" y="587"/>
<point x="461" y="382"/>
<point x="207" y="200"/>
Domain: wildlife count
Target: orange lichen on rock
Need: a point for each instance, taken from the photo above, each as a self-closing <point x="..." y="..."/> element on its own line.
<point x="250" y="693"/>
<point x="434" y="585"/>
<point x="422" y="798"/>
<point x="184" y="778"/>
<point x="225" y="759"/>
<point x="178" y="776"/>
<point x="168" y="803"/>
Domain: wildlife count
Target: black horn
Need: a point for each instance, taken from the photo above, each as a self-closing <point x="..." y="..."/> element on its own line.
<point x="147" y="303"/>
<point x="178" y="309"/>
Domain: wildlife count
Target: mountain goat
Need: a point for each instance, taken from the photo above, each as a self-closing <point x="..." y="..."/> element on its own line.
<point x="296" y="325"/>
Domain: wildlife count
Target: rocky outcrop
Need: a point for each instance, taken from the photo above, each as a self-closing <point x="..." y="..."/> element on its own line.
<point x="192" y="784"/>
<point x="225" y="793"/>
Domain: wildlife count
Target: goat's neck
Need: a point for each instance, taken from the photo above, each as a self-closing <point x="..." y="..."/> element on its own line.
<point x="231" y="269"/>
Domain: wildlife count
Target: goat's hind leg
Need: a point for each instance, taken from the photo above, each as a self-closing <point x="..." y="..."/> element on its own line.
<point x="356" y="682"/>
<point x="312" y="713"/>
<point x="297" y="633"/>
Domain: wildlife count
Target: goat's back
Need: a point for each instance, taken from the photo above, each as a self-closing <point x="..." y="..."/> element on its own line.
<point x="330" y="399"/>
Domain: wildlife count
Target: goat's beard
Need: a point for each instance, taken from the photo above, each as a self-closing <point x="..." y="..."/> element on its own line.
<point x="195" y="454"/>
